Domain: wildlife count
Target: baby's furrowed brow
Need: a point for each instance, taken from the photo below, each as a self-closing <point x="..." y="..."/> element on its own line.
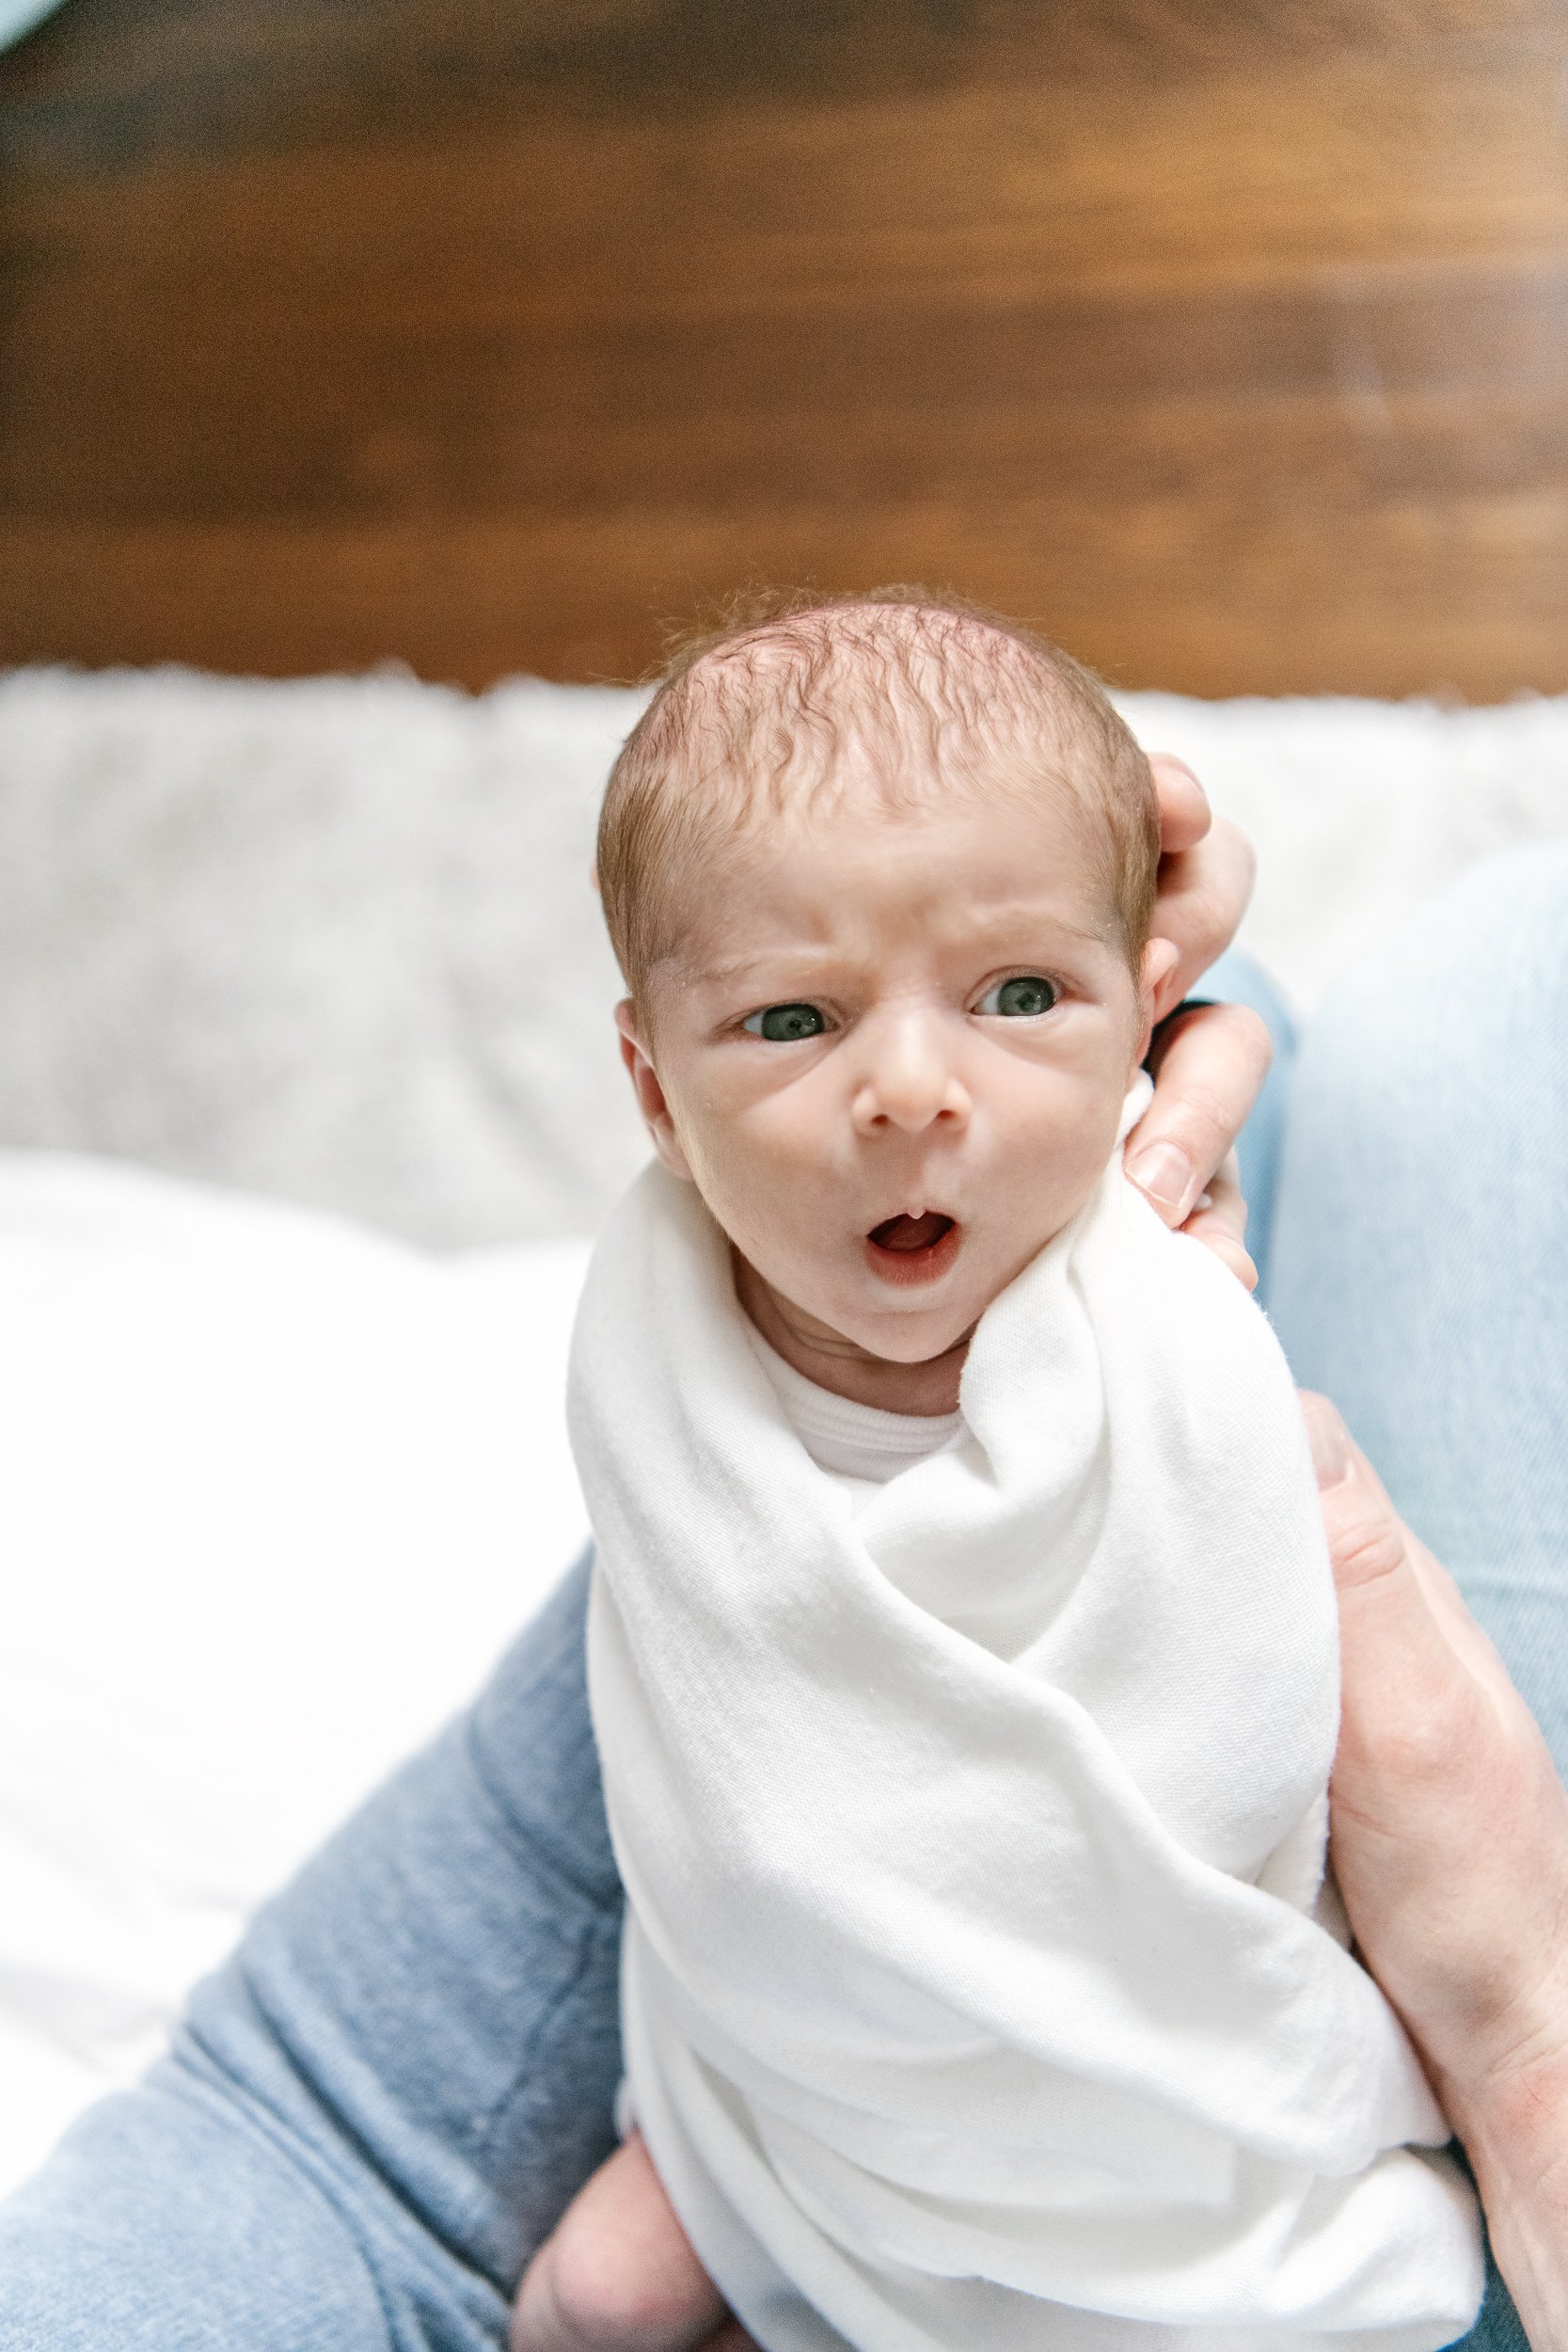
<point x="718" y="975"/>
<point x="762" y="969"/>
<point x="1029" y="914"/>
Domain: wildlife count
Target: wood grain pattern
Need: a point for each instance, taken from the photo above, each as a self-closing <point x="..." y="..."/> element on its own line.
<point x="1231" y="342"/>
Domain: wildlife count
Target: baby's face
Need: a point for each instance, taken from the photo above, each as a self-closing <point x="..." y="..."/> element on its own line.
<point x="892" y="1055"/>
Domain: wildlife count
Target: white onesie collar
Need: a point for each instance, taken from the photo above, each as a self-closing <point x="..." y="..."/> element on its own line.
<point x="847" y="1439"/>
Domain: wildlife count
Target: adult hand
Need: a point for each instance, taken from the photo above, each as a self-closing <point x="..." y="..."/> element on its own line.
<point x="1208" y="1063"/>
<point x="1450" y="1841"/>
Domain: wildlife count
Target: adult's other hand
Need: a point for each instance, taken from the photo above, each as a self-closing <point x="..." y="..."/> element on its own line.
<point x="1210" y="1061"/>
<point x="1449" y="1840"/>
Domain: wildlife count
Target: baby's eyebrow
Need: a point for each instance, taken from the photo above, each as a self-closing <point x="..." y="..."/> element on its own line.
<point x="715" y="974"/>
<point x="799" y="957"/>
<point x="736" y="967"/>
<point x="1009" y="918"/>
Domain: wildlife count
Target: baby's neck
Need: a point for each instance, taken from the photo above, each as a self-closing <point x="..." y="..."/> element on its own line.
<point x="839" y="1365"/>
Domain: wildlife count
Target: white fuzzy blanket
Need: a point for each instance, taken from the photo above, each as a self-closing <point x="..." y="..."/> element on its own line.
<point x="973" y="1990"/>
<point x="335" y="939"/>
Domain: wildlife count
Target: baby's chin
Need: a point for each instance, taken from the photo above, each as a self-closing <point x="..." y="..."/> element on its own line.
<point x="911" y="1322"/>
<point x="912" y="1336"/>
<point x="803" y="1319"/>
<point x="886" y="1309"/>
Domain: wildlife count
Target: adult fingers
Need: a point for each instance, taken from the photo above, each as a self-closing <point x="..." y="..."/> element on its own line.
<point x="1211" y="1063"/>
<point x="1423" y="1683"/>
<point x="1408" y="1815"/>
<point x="1200" y="899"/>
<point x="1450" y="1828"/>
<point x="1400" y="1668"/>
<point x="1417" y="1609"/>
<point x="1219" y="1221"/>
<point x="1369" y="1544"/>
<point x="1185" y="815"/>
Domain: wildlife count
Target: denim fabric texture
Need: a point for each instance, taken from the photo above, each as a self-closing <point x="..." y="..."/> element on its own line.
<point x="1417" y="1269"/>
<point x="376" y="2109"/>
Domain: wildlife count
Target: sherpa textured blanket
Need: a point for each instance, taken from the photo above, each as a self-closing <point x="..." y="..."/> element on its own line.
<point x="974" y="1992"/>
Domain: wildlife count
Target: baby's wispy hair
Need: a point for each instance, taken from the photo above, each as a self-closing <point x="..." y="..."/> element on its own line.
<point x="792" y="695"/>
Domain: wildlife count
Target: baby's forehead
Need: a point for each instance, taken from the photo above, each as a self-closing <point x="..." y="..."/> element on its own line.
<point x="960" y="855"/>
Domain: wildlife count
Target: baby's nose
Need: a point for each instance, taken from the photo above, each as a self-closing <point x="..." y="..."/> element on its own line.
<point x="909" y="1080"/>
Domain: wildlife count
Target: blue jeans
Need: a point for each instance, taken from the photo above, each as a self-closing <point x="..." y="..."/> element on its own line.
<point x="375" y="2110"/>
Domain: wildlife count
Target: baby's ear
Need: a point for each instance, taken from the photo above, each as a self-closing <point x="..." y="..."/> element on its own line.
<point x="1160" y="960"/>
<point x="651" y="1099"/>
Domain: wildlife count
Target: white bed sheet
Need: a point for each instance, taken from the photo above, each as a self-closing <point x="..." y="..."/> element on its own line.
<point x="277" y="1492"/>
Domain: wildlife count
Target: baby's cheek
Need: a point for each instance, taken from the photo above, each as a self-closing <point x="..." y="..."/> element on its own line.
<point x="773" y="1149"/>
<point x="757" y="1191"/>
<point x="1052" y="1170"/>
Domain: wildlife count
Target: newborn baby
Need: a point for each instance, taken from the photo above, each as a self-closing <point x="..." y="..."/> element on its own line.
<point x="963" y="1648"/>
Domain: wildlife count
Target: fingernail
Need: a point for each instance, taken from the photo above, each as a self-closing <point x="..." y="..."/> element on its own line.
<point x="1166" y="1173"/>
<point x="1329" y="1440"/>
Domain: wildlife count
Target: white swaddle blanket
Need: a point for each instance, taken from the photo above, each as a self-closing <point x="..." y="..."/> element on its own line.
<point x="973" y="1995"/>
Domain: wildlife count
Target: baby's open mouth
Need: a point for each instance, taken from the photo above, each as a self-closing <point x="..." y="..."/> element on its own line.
<point x="905" y="1232"/>
<point x="906" y="1248"/>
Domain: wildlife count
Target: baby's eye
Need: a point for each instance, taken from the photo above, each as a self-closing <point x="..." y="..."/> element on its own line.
<point x="783" y="1024"/>
<point x="1021" y="999"/>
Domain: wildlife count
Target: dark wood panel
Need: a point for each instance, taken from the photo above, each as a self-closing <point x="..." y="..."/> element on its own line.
<point x="1445" y="387"/>
<point x="1461" y="597"/>
<point x="120" y="82"/>
<point x="1228" y="341"/>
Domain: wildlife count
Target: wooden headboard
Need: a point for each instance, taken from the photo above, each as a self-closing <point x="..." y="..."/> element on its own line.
<point x="1228" y="340"/>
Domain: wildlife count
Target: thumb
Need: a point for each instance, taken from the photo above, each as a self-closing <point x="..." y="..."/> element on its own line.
<point x="1408" y="1687"/>
<point x="1367" y="1543"/>
<point x="1449" y="1824"/>
<point x="1371" y="1545"/>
